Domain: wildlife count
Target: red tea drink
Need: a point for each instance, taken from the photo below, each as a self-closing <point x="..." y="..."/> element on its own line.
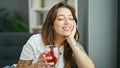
<point x="54" y="58"/>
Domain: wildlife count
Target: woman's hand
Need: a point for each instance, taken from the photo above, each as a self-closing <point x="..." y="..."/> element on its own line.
<point x="42" y="61"/>
<point x="70" y="38"/>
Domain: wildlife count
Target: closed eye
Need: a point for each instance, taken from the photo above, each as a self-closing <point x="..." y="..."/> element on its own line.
<point x="71" y="19"/>
<point x="61" y="19"/>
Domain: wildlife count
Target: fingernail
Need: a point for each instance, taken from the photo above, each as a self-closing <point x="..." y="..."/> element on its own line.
<point x="43" y="55"/>
<point x="50" y="57"/>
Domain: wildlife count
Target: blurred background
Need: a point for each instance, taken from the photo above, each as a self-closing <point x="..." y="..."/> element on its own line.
<point x="98" y="24"/>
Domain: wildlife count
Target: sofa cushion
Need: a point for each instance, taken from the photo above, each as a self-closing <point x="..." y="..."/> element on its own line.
<point x="11" y="46"/>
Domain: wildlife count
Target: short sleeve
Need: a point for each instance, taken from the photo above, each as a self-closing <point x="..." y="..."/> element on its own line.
<point x="28" y="50"/>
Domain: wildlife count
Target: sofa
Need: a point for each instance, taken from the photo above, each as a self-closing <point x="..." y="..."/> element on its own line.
<point x="11" y="45"/>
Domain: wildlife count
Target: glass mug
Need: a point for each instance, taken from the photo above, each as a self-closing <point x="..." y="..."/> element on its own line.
<point x="52" y="51"/>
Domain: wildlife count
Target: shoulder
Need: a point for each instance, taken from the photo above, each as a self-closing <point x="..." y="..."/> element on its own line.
<point x="34" y="43"/>
<point x="34" y="37"/>
<point x="35" y="40"/>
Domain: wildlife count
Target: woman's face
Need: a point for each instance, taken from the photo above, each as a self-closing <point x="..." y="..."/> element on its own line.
<point x="64" y="22"/>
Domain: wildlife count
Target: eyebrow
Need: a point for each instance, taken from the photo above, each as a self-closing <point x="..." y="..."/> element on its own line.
<point x="63" y="15"/>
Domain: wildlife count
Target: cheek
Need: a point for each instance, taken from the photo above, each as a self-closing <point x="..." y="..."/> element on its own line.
<point x="57" y="25"/>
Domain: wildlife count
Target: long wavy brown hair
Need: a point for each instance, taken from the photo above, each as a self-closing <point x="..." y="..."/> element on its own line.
<point x="47" y="33"/>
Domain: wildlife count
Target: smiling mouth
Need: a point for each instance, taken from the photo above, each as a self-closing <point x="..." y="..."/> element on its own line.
<point x="66" y="28"/>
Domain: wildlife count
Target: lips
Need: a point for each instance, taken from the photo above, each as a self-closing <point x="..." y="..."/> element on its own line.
<point x="66" y="28"/>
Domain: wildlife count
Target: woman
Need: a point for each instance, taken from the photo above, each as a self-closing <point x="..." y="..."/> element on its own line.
<point x="59" y="29"/>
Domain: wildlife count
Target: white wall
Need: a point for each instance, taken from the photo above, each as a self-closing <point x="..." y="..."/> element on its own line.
<point x="97" y="26"/>
<point x="83" y="22"/>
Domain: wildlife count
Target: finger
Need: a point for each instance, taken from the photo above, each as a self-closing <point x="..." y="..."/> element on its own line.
<point x="70" y="38"/>
<point x="43" y="59"/>
<point x="49" y="58"/>
<point x="41" y="63"/>
<point x="72" y="32"/>
<point x="42" y="55"/>
<point x="50" y="63"/>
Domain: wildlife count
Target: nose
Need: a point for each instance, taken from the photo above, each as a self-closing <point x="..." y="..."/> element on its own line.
<point x="67" y="21"/>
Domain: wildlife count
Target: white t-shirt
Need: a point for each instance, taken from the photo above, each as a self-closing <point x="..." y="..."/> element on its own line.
<point x="34" y="47"/>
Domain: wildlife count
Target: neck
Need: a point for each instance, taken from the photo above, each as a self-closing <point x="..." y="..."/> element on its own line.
<point x="59" y="41"/>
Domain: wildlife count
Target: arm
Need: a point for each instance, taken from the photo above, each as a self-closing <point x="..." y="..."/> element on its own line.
<point x="27" y="57"/>
<point x="82" y="59"/>
<point x="41" y="63"/>
<point x="25" y="64"/>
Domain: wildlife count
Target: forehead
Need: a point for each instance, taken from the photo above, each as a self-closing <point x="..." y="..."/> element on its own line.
<point x="64" y="11"/>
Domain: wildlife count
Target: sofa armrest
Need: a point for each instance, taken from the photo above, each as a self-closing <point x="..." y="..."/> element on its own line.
<point x="11" y="46"/>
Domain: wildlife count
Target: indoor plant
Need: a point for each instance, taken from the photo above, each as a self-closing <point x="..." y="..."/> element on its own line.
<point x="12" y="22"/>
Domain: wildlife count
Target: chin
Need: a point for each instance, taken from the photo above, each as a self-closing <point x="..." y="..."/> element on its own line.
<point x="66" y="34"/>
